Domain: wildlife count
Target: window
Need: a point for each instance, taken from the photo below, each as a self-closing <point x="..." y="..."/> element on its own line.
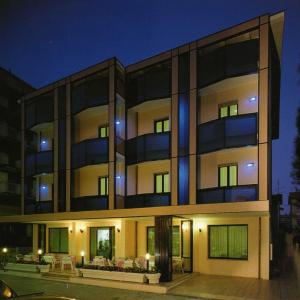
<point x="162" y="126"/>
<point x="228" y="175"/>
<point x="161" y="183"/>
<point x="228" y="241"/>
<point x="175" y="241"/>
<point x="103" y="131"/>
<point x="151" y="240"/>
<point x="58" y="240"/>
<point x="228" y="110"/>
<point x="103" y="186"/>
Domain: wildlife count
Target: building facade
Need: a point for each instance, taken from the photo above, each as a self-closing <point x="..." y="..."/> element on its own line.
<point x="11" y="89"/>
<point x="169" y="156"/>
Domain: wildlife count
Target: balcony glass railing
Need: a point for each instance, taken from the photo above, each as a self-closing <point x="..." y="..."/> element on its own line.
<point x="147" y="200"/>
<point x="237" y="131"/>
<point x="89" y="203"/>
<point x="153" y="146"/>
<point x="239" y="193"/>
<point x="38" y="207"/>
<point x="90" y="152"/>
<point x="38" y="163"/>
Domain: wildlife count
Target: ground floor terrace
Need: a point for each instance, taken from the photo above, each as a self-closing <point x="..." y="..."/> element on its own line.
<point x="228" y="244"/>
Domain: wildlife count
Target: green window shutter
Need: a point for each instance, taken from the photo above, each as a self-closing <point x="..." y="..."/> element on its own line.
<point x="232" y="175"/>
<point x="166" y="125"/>
<point x="223" y="175"/>
<point x="158" y="183"/>
<point x="238" y="241"/>
<point x="93" y="242"/>
<point x="64" y="240"/>
<point x="53" y="240"/>
<point x="158" y="126"/>
<point x="218" y="243"/>
<point x="103" y="186"/>
<point x="151" y="240"/>
<point x="233" y="110"/>
<point x="223" y="111"/>
<point x="166" y="183"/>
<point x="175" y="241"/>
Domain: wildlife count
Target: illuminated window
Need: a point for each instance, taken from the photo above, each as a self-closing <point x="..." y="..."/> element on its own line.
<point x="103" y="131"/>
<point x="228" y="175"/>
<point x="228" y="110"/>
<point x="162" y="126"/>
<point x="103" y="186"/>
<point x="161" y="183"/>
<point x="228" y="241"/>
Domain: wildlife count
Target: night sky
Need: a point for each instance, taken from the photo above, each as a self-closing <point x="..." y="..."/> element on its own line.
<point x="43" y="41"/>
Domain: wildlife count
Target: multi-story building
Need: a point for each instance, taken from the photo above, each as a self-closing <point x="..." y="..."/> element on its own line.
<point x="11" y="89"/>
<point x="169" y="156"/>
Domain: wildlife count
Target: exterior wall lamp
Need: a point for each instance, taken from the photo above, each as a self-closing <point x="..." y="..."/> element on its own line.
<point x="118" y="228"/>
<point x="81" y="230"/>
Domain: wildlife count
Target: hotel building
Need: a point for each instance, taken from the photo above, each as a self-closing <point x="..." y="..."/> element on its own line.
<point x="169" y="156"/>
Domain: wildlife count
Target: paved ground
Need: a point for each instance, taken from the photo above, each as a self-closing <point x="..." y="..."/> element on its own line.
<point x="83" y="292"/>
<point x="285" y="287"/>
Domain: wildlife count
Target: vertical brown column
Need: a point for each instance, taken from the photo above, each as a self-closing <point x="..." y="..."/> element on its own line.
<point x="193" y="124"/>
<point x="174" y="129"/>
<point x="111" y="120"/>
<point x="68" y="146"/>
<point x="163" y="247"/>
<point x="55" y="151"/>
<point x="264" y="142"/>
<point x="22" y="157"/>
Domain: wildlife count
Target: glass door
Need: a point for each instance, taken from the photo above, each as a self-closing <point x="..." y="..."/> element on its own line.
<point x="102" y="242"/>
<point x="187" y="244"/>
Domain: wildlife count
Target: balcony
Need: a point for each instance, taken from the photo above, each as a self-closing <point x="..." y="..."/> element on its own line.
<point x="9" y="133"/>
<point x="90" y="152"/>
<point x="239" y="193"/>
<point x="147" y="200"/>
<point x="39" y="207"/>
<point x="38" y="163"/>
<point x="152" y="146"/>
<point x="89" y="203"/>
<point x="10" y="188"/>
<point x="237" y="131"/>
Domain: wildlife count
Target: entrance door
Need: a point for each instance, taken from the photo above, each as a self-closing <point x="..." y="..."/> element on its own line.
<point x="102" y="242"/>
<point x="187" y="244"/>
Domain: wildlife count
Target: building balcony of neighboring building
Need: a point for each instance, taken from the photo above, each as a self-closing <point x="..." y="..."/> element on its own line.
<point x="9" y="133"/>
<point x="39" y="163"/>
<point x="228" y="176"/>
<point x="90" y="188"/>
<point x="11" y="188"/>
<point x="148" y="184"/>
<point x="39" y="191"/>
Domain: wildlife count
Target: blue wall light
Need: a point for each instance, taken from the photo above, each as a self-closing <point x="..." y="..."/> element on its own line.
<point x="118" y="177"/>
<point x="118" y="122"/>
<point x="252" y="99"/>
<point x="250" y="165"/>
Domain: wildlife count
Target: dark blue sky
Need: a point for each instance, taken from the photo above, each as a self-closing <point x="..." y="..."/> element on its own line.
<point x="42" y="41"/>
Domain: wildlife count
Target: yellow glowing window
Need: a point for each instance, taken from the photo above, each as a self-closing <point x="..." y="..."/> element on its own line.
<point x="228" y="110"/>
<point x="228" y="176"/>
<point x="103" y="186"/>
<point x="162" y="126"/>
<point x="161" y="182"/>
<point x="103" y="131"/>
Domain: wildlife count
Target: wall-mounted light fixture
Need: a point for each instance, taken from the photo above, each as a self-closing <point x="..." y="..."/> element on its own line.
<point x="43" y="187"/>
<point x="199" y="228"/>
<point x="118" y="227"/>
<point x="70" y="230"/>
<point x="250" y="164"/>
<point x="43" y="142"/>
<point x="81" y="230"/>
<point x="118" y="177"/>
<point x="252" y="99"/>
<point x="118" y="122"/>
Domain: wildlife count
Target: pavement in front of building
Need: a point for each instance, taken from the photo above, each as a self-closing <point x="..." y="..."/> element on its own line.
<point x="24" y="285"/>
<point x="285" y="287"/>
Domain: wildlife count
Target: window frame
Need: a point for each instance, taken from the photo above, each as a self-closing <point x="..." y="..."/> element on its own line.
<point x="163" y="181"/>
<point x="106" y="185"/>
<point x="106" y="127"/>
<point x="58" y="228"/>
<point x="148" y="228"/>
<point x="227" y="225"/>
<point x="162" y="124"/>
<point x="228" y="105"/>
<point x="228" y="175"/>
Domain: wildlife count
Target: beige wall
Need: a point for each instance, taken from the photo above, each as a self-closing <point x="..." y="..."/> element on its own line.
<point x="229" y="267"/>
<point x="47" y="182"/>
<point x="237" y="90"/>
<point x="86" y="179"/>
<point x="145" y="173"/>
<point x="88" y="122"/>
<point x="209" y="166"/>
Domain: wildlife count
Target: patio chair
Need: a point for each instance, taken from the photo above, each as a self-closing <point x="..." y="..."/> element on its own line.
<point x="50" y="259"/>
<point x="99" y="262"/>
<point x="29" y="258"/>
<point x="66" y="261"/>
<point x="178" y="264"/>
<point x="19" y="257"/>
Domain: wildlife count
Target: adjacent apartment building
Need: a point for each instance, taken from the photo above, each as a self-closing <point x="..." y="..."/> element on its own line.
<point x="169" y="156"/>
<point x="11" y="89"/>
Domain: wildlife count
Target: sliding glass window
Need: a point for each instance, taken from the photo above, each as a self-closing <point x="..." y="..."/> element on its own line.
<point x="103" y="186"/>
<point x="228" y="110"/>
<point x="162" y="126"/>
<point x="161" y="183"/>
<point x="228" y="175"/>
<point x="102" y="242"/>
